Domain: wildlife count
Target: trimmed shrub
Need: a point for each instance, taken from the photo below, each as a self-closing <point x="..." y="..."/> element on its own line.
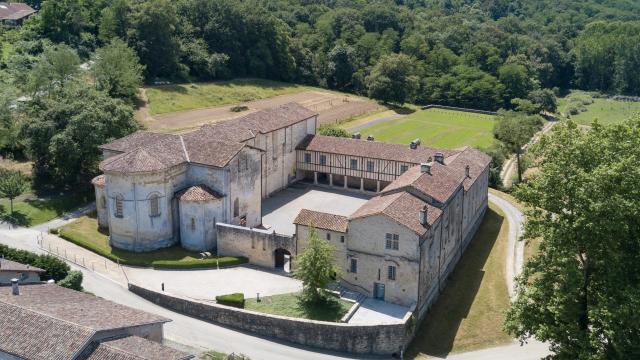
<point x="235" y="300"/>
<point x="239" y="108"/>
<point x="55" y="268"/>
<point x="332" y="130"/>
<point x="72" y="281"/>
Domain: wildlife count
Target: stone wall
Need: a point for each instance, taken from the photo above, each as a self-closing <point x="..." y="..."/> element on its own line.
<point x="257" y="245"/>
<point x="357" y="339"/>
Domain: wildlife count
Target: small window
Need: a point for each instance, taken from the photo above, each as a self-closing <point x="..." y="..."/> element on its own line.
<point x="236" y="207"/>
<point x="323" y="160"/>
<point x="403" y="169"/>
<point x="392" y="241"/>
<point x="354" y="266"/>
<point x="370" y="166"/>
<point x="354" y="164"/>
<point x="307" y="158"/>
<point x="119" y="211"/>
<point x="193" y="224"/>
<point x="391" y="272"/>
<point x="341" y="238"/>
<point x="328" y="237"/>
<point x="154" y="205"/>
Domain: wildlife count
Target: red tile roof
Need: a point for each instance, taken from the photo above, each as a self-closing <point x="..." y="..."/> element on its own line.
<point x="134" y="348"/>
<point x="370" y="149"/>
<point x="402" y="207"/>
<point x="198" y="193"/>
<point x="439" y="183"/>
<point x="8" y="265"/>
<point x="14" y="11"/>
<point x="322" y="220"/>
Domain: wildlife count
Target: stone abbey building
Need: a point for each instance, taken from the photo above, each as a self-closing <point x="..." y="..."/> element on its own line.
<point x="204" y="190"/>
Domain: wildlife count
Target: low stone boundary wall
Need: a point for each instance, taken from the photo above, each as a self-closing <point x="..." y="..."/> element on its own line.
<point x="255" y="244"/>
<point x="357" y="339"/>
<point x="459" y="109"/>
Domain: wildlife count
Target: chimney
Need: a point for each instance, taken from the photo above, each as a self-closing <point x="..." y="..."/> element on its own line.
<point x="425" y="168"/>
<point x="414" y="144"/>
<point x="439" y="157"/>
<point x="15" y="290"/>
<point x="466" y="171"/>
<point x="423" y="216"/>
<point x="370" y="138"/>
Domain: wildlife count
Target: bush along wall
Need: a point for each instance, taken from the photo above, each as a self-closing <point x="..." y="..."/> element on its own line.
<point x="235" y="300"/>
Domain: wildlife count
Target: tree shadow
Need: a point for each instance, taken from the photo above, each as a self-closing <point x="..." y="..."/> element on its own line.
<point x="17" y="218"/>
<point x="437" y="332"/>
<point x="328" y="309"/>
<point x="401" y="109"/>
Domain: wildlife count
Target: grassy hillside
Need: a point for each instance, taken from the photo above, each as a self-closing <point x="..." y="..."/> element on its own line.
<point x="606" y="111"/>
<point x="180" y="97"/>
<point x="436" y="128"/>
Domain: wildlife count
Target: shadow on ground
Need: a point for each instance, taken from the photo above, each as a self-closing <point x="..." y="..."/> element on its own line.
<point x="436" y="334"/>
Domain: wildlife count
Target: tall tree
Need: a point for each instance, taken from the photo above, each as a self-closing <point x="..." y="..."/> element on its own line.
<point x="515" y="130"/>
<point x="393" y="80"/>
<point x="580" y="292"/>
<point x="117" y="70"/>
<point x="316" y="268"/>
<point x="56" y="66"/>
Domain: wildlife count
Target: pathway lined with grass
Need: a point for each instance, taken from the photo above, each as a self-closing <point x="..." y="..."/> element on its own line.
<point x="436" y="128"/>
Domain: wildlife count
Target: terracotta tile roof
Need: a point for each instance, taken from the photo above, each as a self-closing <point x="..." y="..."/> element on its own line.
<point x="77" y="307"/>
<point x="31" y="335"/>
<point x="207" y="149"/>
<point x="439" y="183"/>
<point x="14" y="11"/>
<point x="402" y="207"/>
<point x="98" y="180"/>
<point x="371" y="149"/>
<point x="8" y="265"/>
<point x="477" y="161"/>
<point x="322" y="220"/>
<point x="134" y="348"/>
<point x="135" y="140"/>
<point x="198" y="193"/>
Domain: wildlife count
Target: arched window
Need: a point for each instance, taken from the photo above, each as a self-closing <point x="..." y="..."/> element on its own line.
<point x="119" y="203"/>
<point x="154" y="205"/>
<point x="236" y="208"/>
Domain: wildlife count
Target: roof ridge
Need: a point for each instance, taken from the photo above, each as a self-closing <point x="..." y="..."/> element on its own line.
<point x="123" y="351"/>
<point x="94" y="331"/>
<point x="184" y="148"/>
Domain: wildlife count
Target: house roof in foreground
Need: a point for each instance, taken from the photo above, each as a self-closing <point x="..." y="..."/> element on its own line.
<point x="14" y="11"/>
<point x="322" y="220"/>
<point x="133" y="348"/>
<point x="8" y="265"/>
<point x="213" y="144"/>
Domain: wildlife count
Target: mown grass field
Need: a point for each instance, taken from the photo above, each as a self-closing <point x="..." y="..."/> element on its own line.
<point x="180" y="97"/>
<point x="469" y="313"/>
<point x="606" y="111"/>
<point x="288" y="305"/>
<point x="34" y="211"/>
<point x="436" y="128"/>
<point x="84" y="232"/>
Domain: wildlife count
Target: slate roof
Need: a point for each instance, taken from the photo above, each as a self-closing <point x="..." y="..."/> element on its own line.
<point x="134" y="348"/>
<point x="8" y="265"/>
<point x="213" y="145"/>
<point x="370" y="149"/>
<point x="402" y="207"/>
<point x="14" y="11"/>
<point x="31" y="335"/>
<point x="198" y="193"/>
<point x="322" y="220"/>
<point x="76" y="307"/>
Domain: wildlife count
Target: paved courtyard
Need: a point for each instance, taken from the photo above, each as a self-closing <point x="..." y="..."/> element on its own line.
<point x="207" y="284"/>
<point x="281" y="209"/>
<point x="374" y="311"/>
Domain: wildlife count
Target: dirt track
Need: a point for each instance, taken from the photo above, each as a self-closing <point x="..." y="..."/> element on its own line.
<point x="331" y="107"/>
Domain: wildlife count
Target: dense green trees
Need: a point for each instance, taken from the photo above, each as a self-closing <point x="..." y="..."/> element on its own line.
<point x="580" y="292"/>
<point x="514" y="130"/>
<point x="117" y="71"/>
<point x="393" y="80"/>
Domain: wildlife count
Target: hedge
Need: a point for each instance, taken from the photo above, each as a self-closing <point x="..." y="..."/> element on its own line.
<point x="235" y="300"/>
<point x="55" y="268"/>
<point x="72" y="281"/>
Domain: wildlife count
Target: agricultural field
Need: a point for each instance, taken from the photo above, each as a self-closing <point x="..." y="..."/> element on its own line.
<point x="176" y="108"/>
<point x="435" y="128"/>
<point x="587" y="108"/>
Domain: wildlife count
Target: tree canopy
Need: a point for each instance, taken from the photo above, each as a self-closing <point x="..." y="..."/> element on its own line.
<point x="581" y="291"/>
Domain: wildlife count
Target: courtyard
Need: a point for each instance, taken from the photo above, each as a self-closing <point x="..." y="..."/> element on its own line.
<point x="281" y="209"/>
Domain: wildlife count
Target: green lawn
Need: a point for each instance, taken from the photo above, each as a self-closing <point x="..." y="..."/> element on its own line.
<point x="436" y="128"/>
<point x="469" y="313"/>
<point x="606" y="111"/>
<point x="84" y="232"/>
<point x="181" y="97"/>
<point x="36" y="211"/>
<point x="288" y="305"/>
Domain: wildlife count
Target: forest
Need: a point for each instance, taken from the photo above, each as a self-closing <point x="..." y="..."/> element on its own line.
<point x="480" y="54"/>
